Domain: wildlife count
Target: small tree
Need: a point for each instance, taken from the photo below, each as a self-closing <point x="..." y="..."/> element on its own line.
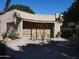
<point x="21" y="7"/>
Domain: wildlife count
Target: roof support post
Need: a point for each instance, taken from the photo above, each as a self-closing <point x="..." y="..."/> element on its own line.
<point x="21" y="29"/>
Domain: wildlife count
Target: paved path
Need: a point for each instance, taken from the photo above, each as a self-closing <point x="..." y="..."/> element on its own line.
<point x="14" y="44"/>
<point x="52" y="50"/>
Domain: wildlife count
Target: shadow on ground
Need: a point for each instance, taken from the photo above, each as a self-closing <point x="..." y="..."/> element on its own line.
<point x="52" y="50"/>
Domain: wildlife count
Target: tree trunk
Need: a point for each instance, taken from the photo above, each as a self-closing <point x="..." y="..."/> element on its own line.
<point x="6" y="6"/>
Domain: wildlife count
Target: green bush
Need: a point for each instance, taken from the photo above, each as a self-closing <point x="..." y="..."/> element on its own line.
<point x="12" y="35"/>
<point x="77" y="33"/>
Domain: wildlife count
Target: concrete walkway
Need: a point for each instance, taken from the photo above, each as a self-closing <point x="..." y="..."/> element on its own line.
<point x="27" y="49"/>
<point x="14" y="44"/>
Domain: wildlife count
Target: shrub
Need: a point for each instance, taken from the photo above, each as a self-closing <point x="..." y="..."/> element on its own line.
<point x="12" y="35"/>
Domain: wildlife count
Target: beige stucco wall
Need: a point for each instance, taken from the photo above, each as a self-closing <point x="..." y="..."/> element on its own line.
<point x="6" y="18"/>
<point x="36" y="17"/>
<point x="57" y="28"/>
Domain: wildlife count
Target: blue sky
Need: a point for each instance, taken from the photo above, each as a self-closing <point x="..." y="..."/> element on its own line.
<point x="42" y="6"/>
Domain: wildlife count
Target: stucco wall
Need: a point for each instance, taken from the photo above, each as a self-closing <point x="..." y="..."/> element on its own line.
<point x="57" y="28"/>
<point x="4" y="20"/>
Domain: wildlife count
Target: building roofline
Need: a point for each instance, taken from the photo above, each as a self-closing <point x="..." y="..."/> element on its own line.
<point x="33" y="17"/>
